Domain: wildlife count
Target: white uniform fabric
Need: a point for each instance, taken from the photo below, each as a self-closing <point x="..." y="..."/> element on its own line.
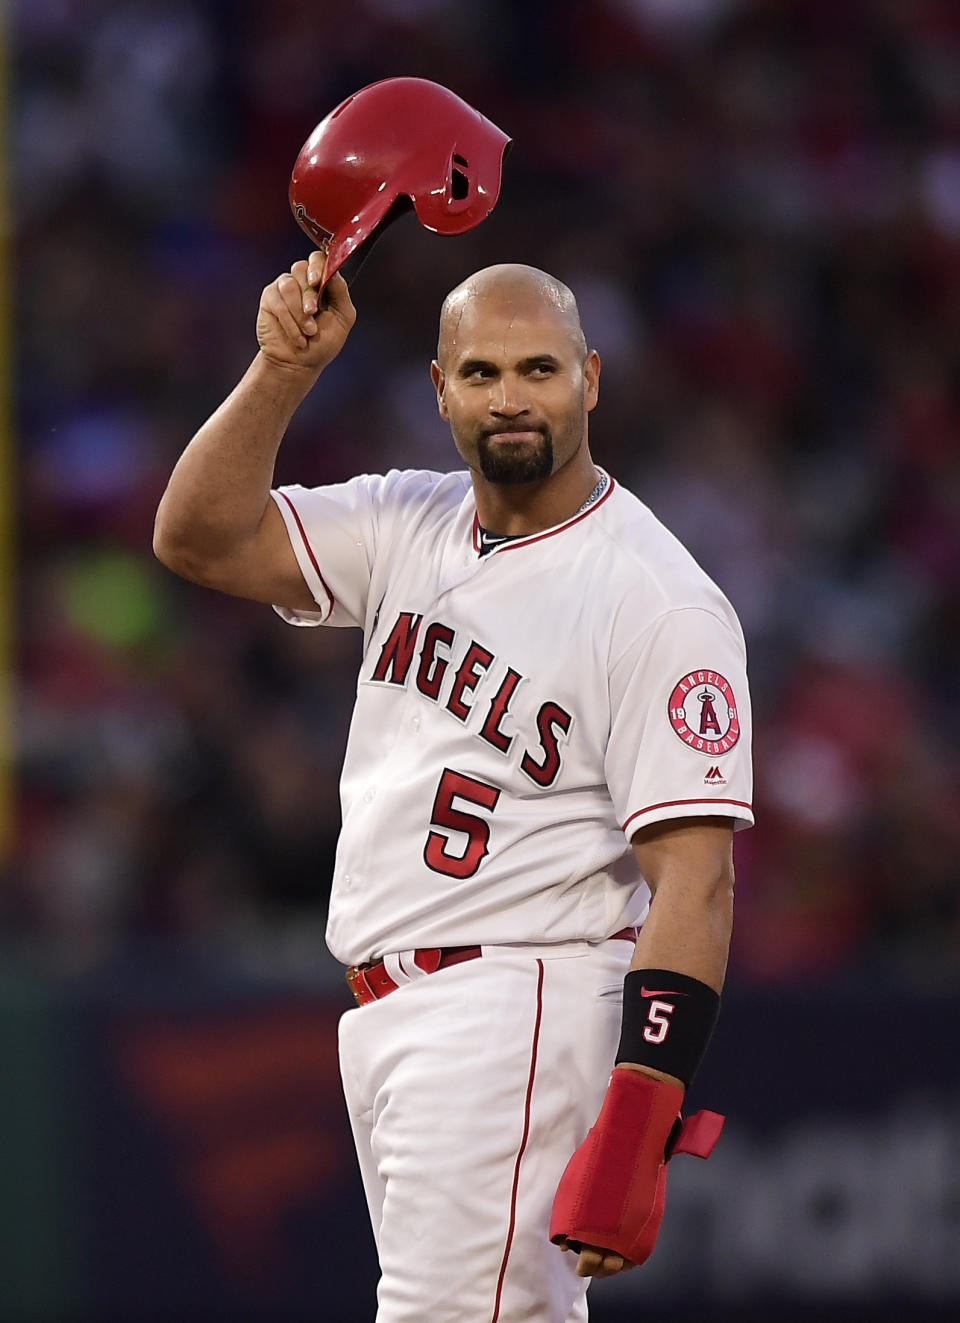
<point x="460" y="1165"/>
<point x="519" y="715"/>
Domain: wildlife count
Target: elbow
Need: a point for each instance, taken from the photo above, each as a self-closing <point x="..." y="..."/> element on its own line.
<point x="160" y="546"/>
<point x="164" y="546"/>
<point x="174" y="554"/>
<point x="183" y="558"/>
<point x="162" y="539"/>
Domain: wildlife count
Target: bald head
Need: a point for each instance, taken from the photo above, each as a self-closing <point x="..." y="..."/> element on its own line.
<point x="513" y="376"/>
<point x="512" y="288"/>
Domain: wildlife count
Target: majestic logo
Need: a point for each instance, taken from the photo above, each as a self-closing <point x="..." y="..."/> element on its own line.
<point x="714" y="777"/>
<point x="703" y="712"/>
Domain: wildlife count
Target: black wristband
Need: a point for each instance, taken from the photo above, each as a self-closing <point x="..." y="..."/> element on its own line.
<point x="667" y="1021"/>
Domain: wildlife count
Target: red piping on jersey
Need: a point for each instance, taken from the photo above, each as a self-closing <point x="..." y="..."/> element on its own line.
<point x="672" y="803"/>
<point x="528" y="541"/>
<point x="523" y="1142"/>
<point x="313" y="559"/>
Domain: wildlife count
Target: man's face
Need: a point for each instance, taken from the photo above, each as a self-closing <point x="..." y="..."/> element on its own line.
<point x="515" y="388"/>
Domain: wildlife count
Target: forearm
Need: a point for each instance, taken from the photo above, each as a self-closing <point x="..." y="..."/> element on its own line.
<point x="688" y="929"/>
<point x="220" y="487"/>
<point x="687" y="932"/>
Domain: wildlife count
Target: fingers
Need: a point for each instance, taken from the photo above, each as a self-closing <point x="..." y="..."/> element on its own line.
<point x="302" y="305"/>
<point x="336" y="296"/>
<point x="310" y="275"/>
<point x="315" y="265"/>
<point x="309" y="271"/>
<point x="302" y="291"/>
<point x="295" y="315"/>
<point x="593" y="1262"/>
<point x="282" y="301"/>
<point x="292" y="298"/>
<point x="337" y="299"/>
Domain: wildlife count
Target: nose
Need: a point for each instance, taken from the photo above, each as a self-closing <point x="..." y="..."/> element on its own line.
<point x="508" y="398"/>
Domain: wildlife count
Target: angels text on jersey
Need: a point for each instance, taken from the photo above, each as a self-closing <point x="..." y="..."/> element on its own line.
<point x="448" y="670"/>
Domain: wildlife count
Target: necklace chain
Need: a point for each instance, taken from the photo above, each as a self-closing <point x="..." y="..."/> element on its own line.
<point x="490" y="540"/>
<point x="595" y="495"/>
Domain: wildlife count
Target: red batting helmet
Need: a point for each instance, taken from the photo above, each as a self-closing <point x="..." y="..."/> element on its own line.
<point x="397" y="144"/>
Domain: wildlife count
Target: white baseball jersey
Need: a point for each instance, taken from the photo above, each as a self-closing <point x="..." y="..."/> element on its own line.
<point x="519" y="715"/>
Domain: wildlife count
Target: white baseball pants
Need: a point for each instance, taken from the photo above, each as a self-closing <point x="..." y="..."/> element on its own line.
<point x="468" y="1090"/>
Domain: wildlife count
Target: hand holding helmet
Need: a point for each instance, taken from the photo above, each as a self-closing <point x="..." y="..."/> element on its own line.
<point x="297" y="326"/>
<point x="397" y="145"/>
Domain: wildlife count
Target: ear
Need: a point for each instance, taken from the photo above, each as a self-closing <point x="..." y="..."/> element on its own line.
<point x="439" y="379"/>
<point x="591" y="380"/>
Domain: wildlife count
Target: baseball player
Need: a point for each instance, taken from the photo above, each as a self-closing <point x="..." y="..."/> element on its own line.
<point x="548" y="758"/>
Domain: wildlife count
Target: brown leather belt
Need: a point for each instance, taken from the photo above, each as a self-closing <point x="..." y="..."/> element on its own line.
<point x="371" y="981"/>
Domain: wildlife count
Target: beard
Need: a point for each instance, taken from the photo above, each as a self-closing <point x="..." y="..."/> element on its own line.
<point x="511" y="465"/>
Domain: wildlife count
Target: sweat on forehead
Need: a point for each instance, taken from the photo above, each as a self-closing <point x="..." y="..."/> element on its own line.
<point x="509" y="286"/>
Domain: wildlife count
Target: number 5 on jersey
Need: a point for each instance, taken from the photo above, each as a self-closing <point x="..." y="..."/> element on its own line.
<point x="436" y="852"/>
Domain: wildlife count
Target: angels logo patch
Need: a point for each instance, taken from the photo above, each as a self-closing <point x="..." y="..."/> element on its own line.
<point x="703" y="712"/>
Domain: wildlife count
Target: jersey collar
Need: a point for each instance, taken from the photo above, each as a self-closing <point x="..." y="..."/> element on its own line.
<point x="515" y="543"/>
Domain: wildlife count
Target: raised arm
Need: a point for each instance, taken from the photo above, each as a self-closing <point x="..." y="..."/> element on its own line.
<point x="216" y="523"/>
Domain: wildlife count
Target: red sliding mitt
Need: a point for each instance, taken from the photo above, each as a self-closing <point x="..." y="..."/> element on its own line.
<point x="612" y="1192"/>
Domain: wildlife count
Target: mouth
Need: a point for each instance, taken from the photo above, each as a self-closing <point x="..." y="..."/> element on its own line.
<point x="513" y="435"/>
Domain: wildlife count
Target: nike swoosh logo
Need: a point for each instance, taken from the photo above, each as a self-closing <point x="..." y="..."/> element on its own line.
<point x="665" y="992"/>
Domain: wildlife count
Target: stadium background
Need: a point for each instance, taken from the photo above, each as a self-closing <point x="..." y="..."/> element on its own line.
<point x="757" y="203"/>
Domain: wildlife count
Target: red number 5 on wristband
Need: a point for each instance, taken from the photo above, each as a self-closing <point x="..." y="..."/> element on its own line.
<point x="658" y="1021"/>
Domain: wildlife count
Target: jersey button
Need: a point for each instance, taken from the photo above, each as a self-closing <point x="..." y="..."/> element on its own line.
<point x="347" y="881"/>
<point x="415" y="723"/>
<point x="368" y="795"/>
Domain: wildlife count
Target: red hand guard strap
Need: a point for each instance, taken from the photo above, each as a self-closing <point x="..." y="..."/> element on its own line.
<point x="612" y="1192"/>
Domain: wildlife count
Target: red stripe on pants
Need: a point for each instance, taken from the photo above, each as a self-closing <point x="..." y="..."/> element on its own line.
<point x="523" y="1142"/>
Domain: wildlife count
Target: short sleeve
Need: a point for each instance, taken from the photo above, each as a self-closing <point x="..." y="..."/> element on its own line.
<point x="680" y="723"/>
<point x="333" y="532"/>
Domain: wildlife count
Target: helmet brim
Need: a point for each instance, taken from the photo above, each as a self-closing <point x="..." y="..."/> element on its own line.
<point x="341" y="246"/>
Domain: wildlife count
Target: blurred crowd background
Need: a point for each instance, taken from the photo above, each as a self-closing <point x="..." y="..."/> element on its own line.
<point x="757" y="203"/>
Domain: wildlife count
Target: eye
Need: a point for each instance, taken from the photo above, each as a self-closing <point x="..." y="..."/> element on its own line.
<point x="544" y="369"/>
